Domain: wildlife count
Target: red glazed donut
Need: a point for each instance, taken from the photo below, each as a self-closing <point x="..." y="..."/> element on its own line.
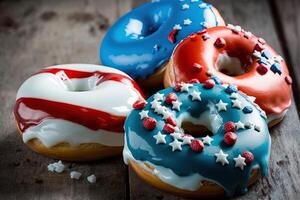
<point x="234" y="56"/>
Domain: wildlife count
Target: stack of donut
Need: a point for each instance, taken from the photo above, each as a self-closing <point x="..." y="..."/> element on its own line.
<point x="204" y="135"/>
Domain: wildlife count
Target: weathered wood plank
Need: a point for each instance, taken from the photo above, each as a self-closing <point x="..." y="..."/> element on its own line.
<point x="283" y="179"/>
<point x="34" y="34"/>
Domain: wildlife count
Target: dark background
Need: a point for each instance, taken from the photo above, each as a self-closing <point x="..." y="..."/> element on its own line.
<point x="36" y="34"/>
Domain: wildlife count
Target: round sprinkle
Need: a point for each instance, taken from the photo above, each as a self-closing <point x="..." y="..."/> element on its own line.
<point x="259" y="47"/>
<point x="170" y="98"/>
<point x="262" y="69"/>
<point x="229" y="127"/>
<point x="171" y="120"/>
<point x="288" y="80"/>
<point x="193" y="37"/>
<point x="248" y="156"/>
<point x="220" y="43"/>
<point x="177" y="87"/>
<point x="168" y="128"/>
<point x="193" y="81"/>
<point x="139" y="104"/>
<point x="230" y="138"/>
<point x="149" y="123"/>
<point x="247" y="109"/>
<point x="196" y="68"/>
<point x="208" y="84"/>
<point x="230" y="89"/>
<point x="197" y="145"/>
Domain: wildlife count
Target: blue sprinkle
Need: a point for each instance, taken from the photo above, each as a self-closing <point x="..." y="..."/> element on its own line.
<point x="263" y="60"/>
<point x="276" y="68"/>
<point x="216" y="80"/>
<point x="247" y="109"/>
<point x="266" y="54"/>
<point x="230" y="89"/>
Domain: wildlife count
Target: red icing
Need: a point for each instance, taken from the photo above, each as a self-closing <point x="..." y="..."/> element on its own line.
<point x="272" y="92"/>
<point x="31" y="111"/>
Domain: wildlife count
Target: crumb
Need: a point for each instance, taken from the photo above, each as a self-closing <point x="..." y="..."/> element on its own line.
<point x="57" y="167"/>
<point x="92" y="178"/>
<point x="75" y="175"/>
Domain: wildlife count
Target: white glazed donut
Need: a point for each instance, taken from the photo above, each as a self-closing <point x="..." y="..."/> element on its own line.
<point x="75" y="111"/>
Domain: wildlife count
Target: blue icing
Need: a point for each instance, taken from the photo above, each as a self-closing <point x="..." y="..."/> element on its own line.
<point x="186" y="162"/>
<point x="129" y="43"/>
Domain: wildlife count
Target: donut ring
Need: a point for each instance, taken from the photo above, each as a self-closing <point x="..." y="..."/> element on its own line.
<point x="75" y="111"/>
<point x="160" y="151"/>
<point x="142" y="41"/>
<point x="250" y="63"/>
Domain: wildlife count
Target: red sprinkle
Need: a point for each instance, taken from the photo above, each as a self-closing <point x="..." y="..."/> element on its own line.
<point x="194" y="80"/>
<point x="139" y="104"/>
<point x="248" y="156"/>
<point x="230" y="138"/>
<point x="168" y="128"/>
<point x="149" y="123"/>
<point x="262" y="69"/>
<point x="196" y="68"/>
<point x="172" y="35"/>
<point x="208" y="84"/>
<point x="220" y="43"/>
<point x="197" y="145"/>
<point x="259" y="47"/>
<point x="229" y="127"/>
<point x="288" y="80"/>
<point x="177" y="87"/>
<point x="170" y="98"/>
<point x="171" y="120"/>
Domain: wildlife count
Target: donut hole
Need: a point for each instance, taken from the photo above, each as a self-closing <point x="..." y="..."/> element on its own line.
<point x="80" y="85"/>
<point x="195" y="130"/>
<point x="230" y="65"/>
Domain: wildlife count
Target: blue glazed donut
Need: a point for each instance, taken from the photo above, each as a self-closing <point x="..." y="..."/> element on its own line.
<point x="142" y="40"/>
<point x="238" y="145"/>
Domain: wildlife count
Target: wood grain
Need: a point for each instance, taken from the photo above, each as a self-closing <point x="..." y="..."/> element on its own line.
<point x="34" y="34"/>
<point x="283" y="181"/>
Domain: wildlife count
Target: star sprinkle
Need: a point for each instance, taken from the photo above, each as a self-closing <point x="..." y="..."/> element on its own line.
<point x="247" y="34"/>
<point x="185" y="6"/>
<point x="144" y="114"/>
<point x="160" y="138"/>
<point x="221" y="157"/>
<point x="185" y="87"/>
<point x="187" y="140"/>
<point x="207" y="140"/>
<point x="204" y="24"/>
<point x="256" y="54"/>
<point x="176" y="145"/>
<point x="176" y="135"/>
<point x="194" y="1"/>
<point x="187" y="22"/>
<point x="202" y="5"/>
<point x="239" y="125"/>
<point x="236" y="104"/>
<point x="240" y="162"/>
<point x="177" y="27"/>
<point x="155" y="104"/>
<point x="257" y="128"/>
<point x="221" y="106"/>
<point x="195" y="95"/>
<point x="166" y="114"/>
<point x="205" y="36"/>
<point x="176" y="105"/>
<point x="248" y="125"/>
<point x="234" y="96"/>
<point x="158" y="97"/>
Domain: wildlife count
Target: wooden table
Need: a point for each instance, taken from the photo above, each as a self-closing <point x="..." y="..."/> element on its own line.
<point x="41" y="33"/>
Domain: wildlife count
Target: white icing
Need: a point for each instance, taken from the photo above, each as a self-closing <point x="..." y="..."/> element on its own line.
<point x="230" y="64"/>
<point x="109" y="96"/>
<point x="54" y="131"/>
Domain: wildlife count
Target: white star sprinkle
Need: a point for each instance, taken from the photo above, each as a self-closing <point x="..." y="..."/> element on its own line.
<point x="234" y="95"/>
<point x="159" y="109"/>
<point x="187" y="22"/>
<point x="176" y="145"/>
<point x="247" y="34"/>
<point x="176" y="135"/>
<point x="155" y="104"/>
<point x="144" y="114"/>
<point x="221" y="157"/>
<point x="158" y="97"/>
<point x="251" y="99"/>
<point x="240" y="162"/>
<point x="230" y="26"/>
<point x="257" y="128"/>
<point x="185" y="6"/>
<point x="166" y="114"/>
<point x="278" y="59"/>
<point x="221" y="106"/>
<point x="248" y="125"/>
<point x="196" y="95"/>
<point x="177" y="27"/>
<point x="194" y="1"/>
<point x="263" y="114"/>
<point x="236" y="104"/>
<point x="202" y="5"/>
<point x="187" y="140"/>
<point x="206" y="36"/>
<point x="207" y="140"/>
<point x="239" y="125"/>
<point x="176" y="105"/>
<point x="160" y="138"/>
<point x="209" y="72"/>
<point x="185" y="87"/>
<point x="204" y="24"/>
<point x="256" y="54"/>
